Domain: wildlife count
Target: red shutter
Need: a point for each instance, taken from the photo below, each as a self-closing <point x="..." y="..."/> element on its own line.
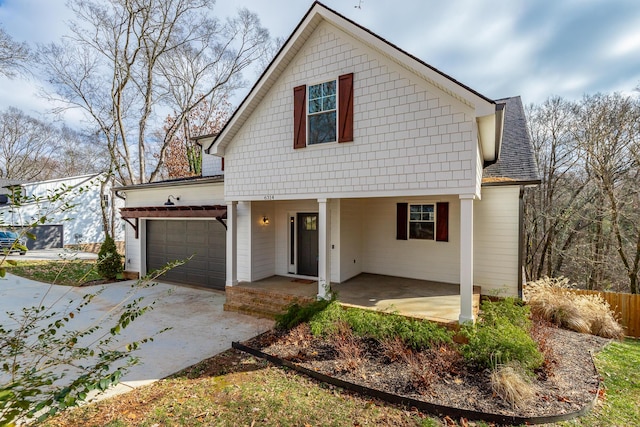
<point x="401" y="221"/>
<point x="299" y="117"/>
<point x="345" y="108"/>
<point x="442" y="222"/>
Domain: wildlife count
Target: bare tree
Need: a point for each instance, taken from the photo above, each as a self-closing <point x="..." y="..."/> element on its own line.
<point x="609" y="136"/>
<point x="13" y="55"/>
<point x="552" y="209"/>
<point x="184" y="156"/>
<point x="584" y="219"/>
<point x="127" y="61"/>
<point x="27" y="146"/>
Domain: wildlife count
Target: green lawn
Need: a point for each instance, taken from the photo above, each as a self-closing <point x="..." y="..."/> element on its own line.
<point x="67" y="273"/>
<point x="619" y="365"/>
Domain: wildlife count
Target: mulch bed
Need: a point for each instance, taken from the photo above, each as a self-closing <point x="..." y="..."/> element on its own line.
<point x="566" y="383"/>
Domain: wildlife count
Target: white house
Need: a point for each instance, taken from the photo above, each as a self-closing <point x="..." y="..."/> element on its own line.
<point x="350" y="155"/>
<point x="71" y="208"/>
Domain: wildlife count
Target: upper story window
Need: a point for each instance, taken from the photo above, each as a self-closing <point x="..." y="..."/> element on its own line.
<point x="322" y="113"/>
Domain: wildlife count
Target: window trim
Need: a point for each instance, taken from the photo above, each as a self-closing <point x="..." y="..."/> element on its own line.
<point x="434" y="221"/>
<point x="334" y="110"/>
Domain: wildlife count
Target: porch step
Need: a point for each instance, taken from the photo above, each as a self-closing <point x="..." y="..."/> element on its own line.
<point x="259" y="302"/>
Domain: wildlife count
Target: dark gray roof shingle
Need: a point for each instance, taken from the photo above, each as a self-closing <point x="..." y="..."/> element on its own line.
<point x="516" y="164"/>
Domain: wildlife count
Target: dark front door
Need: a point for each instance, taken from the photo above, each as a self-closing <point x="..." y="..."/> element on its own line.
<point x="308" y="244"/>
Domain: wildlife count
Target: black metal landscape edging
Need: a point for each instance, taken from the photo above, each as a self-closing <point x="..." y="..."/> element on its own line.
<point x="419" y="404"/>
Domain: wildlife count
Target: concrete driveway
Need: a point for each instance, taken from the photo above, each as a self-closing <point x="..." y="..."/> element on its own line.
<point x="200" y="327"/>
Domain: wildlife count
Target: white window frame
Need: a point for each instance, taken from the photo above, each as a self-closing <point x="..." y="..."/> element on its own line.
<point x="308" y="114"/>
<point x="431" y="221"/>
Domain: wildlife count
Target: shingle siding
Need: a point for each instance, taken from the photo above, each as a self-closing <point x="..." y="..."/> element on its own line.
<point x="407" y="135"/>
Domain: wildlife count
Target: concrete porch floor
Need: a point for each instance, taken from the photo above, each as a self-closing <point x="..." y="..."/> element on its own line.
<point x="416" y="298"/>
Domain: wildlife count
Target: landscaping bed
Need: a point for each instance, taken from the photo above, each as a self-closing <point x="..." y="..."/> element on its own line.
<point x="567" y="384"/>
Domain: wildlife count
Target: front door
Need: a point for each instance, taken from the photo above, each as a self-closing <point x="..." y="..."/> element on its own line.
<point x="308" y="244"/>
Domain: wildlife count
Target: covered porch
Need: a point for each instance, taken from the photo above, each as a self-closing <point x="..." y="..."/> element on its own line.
<point x="337" y="241"/>
<point x="422" y="299"/>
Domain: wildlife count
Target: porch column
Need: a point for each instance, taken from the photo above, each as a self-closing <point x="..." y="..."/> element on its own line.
<point x="324" y="271"/>
<point x="466" y="258"/>
<point x="232" y="244"/>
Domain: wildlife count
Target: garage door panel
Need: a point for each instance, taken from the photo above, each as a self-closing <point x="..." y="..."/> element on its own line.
<point x="169" y="240"/>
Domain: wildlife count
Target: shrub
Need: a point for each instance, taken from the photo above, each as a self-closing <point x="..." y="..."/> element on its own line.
<point x="511" y="309"/>
<point x="427" y="366"/>
<point x="109" y="260"/>
<point x="419" y="368"/>
<point x="501" y="336"/>
<point x="394" y="349"/>
<point x="297" y="314"/>
<point x="490" y="345"/>
<point x="550" y="299"/>
<point x="348" y="347"/>
<point x="511" y="383"/>
<point x="416" y="334"/>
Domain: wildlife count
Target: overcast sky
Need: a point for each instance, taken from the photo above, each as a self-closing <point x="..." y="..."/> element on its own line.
<point x="532" y="48"/>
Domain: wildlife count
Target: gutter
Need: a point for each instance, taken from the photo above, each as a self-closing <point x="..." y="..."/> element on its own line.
<point x="520" y="239"/>
<point x="525" y="183"/>
<point x="176" y="183"/>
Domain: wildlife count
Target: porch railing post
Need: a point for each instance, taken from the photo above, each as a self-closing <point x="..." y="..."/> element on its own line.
<point x="324" y="272"/>
<point x="466" y="258"/>
<point x="232" y="244"/>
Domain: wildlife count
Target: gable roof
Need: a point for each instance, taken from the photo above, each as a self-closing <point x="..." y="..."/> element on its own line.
<point x="314" y="17"/>
<point x="516" y="164"/>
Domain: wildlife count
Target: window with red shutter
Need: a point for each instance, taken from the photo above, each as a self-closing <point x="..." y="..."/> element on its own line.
<point x="345" y="109"/>
<point x="323" y="112"/>
<point x="299" y="117"/>
<point x="442" y="222"/>
<point x="401" y="221"/>
<point x="423" y="221"/>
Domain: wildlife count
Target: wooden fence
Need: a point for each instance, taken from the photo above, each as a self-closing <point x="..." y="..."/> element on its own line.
<point x="625" y="306"/>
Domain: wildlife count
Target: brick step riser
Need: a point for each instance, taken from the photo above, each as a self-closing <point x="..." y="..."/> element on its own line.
<point x="277" y="302"/>
<point x="250" y="311"/>
<point x="261" y="306"/>
<point x="262" y="295"/>
<point x="256" y="302"/>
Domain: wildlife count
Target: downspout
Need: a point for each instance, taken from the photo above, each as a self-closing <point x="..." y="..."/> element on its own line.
<point x="520" y="239"/>
<point x="118" y="195"/>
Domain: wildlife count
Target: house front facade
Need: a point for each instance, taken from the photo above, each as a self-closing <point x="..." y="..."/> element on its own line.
<point x="350" y="155"/>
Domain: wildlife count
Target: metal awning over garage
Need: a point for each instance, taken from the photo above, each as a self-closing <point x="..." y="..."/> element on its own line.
<point x="206" y="211"/>
<point x="218" y="212"/>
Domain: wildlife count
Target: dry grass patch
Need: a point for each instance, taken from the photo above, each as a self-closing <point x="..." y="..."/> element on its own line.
<point x="550" y="299"/>
<point x="511" y="383"/>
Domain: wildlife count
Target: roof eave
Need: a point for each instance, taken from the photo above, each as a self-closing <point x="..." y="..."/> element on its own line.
<point x="198" y="181"/>
<point x="526" y="183"/>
